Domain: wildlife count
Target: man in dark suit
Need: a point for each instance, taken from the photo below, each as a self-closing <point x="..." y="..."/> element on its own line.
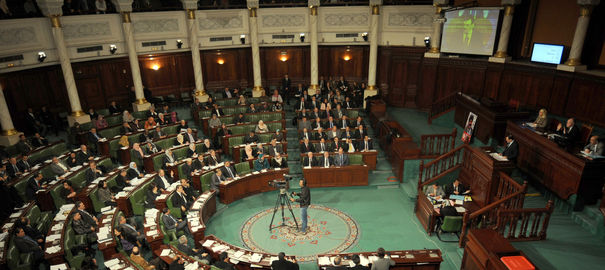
<point x="512" y="149"/>
<point x="304" y="124"/>
<point x="326" y="161"/>
<point x="313" y="104"/>
<point x="286" y="83"/>
<point x="130" y="232"/>
<point x="88" y="218"/>
<point x="316" y="124"/>
<point x="337" y="265"/>
<point x="213" y="159"/>
<point x="187" y="169"/>
<point x="24" y="164"/>
<point x="320" y="134"/>
<point x="330" y="123"/>
<point x="341" y="159"/>
<point x="357" y="261"/>
<point x="455" y="188"/>
<point x="347" y="134"/>
<point x="229" y="171"/>
<point x="306" y="146"/>
<point x="344" y="122"/>
<point x="33" y="185"/>
<point x="201" y="255"/>
<point x="30" y="230"/>
<point x="12" y="168"/>
<point x="365" y="145"/>
<point x="360" y="132"/>
<point x="335" y="145"/>
<point x="179" y="199"/>
<point x="190" y="136"/>
<point x="251" y="138"/>
<point x="302" y="104"/>
<point x="26" y="244"/>
<point x="158" y="133"/>
<point x="23" y="146"/>
<point x="93" y="172"/>
<point x="309" y="160"/>
<point x="274" y="148"/>
<point x="218" y="111"/>
<point x="93" y="137"/>
<point x="570" y="133"/>
<point x="84" y="155"/>
<point x="227" y="93"/>
<point x="162" y="180"/>
<point x="305" y="134"/>
<point x="216" y="180"/>
<point x="38" y="140"/>
<point x="348" y="104"/>
<point x="82" y="228"/>
<point x="172" y="223"/>
<point x="282" y="264"/>
<point x="126" y="129"/>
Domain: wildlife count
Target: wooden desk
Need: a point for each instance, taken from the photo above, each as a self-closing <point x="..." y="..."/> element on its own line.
<point x="212" y="131"/>
<point x="174" y="252"/>
<point x="151" y="228"/>
<point x="404" y="259"/>
<point x="249" y="184"/>
<point x="123" y="262"/>
<point x="108" y="248"/>
<point x="352" y="175"/>
<point x="427" y="214"/>
<point x="9" y="226"/>
<point x="564" y="173"/>
<point x="124" y="203"/>
<point x="368" y="157"/>
<point x="202" y="210"/>
<point x="63" y="217"/>
<point x="485" y="248"/>
<point x="225" y="139"/>
<point x="237" y="154"/>
<point x="265" y="262"/>
<point x="490" y="122"/>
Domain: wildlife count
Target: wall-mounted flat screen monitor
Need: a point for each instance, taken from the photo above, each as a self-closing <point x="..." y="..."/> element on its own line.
<point x="547" y="53"/>
<point x="470" y="31"/>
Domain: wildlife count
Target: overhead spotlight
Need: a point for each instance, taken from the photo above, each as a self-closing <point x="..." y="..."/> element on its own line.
<point x="427" y="42"/>
<point x="179" y="43"/>
<point x="113" y="48"/>
<point x="364" y="35"/>
<point x="302" y="37"/>
<point x="242" y="38"/>
<point x="41" y="56"/>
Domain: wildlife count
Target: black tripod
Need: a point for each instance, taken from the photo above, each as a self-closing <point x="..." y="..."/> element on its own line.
<point x="282" y="199"/>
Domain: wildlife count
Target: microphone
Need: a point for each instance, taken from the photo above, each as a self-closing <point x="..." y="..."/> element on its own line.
<point x="288" y="176"/>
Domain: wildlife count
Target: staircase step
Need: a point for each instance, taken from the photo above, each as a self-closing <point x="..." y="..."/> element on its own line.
<point x="410" y="190"/>
<point x="586" y="222"/>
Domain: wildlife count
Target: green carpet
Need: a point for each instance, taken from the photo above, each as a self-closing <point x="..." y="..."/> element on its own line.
<point x="328" y="231"/>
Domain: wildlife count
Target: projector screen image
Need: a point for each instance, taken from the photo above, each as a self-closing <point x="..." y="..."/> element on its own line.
<point x="547" y="53"/>
<point x="470" y="31"/>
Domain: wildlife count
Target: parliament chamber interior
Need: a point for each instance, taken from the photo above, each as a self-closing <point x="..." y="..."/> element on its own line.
<point x="318" y="134"/>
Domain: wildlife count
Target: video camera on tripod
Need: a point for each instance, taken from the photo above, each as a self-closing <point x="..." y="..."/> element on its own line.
<point x="282" y="185"/>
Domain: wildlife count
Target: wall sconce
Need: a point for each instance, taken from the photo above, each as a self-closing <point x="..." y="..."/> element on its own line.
<point x="155" y="67"/>
<point x="113" y="48"/>
<point x="364" y="35"/>
<point x="179" y="43"/>
<point x="242" y="39"/>
<point x="302" y="37"/>
<point x="41" y="56"/>
<point x="283" y="56"/>
<point x="220" y="61"/>
<point x="427" y="42"/>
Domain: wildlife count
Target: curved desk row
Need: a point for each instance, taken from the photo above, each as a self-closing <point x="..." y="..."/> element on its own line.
<point x="251" y="117"/>
<point x="55" y="238"/>
<point x="201" y="211"/>
<point x="122" y="198"/>
<point x="173" y="253"/>
<point x="352" y="175"/>
<point x="8" y="229"/>
<point x="151" y="227"/>
<point x="404" y="259"/>
<point x="237" y="149"/>
<point x="105" y="236"/>
<point x="240" y="257"/>
<point x="368" y="157"/>
<point x="250" y="184"/>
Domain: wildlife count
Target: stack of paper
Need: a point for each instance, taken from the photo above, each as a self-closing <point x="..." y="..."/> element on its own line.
<point x="152" y="233"/>
<point x="112" y="262"/>
<point x="324" y="261"/>
<point x="8" y="225"/>
<point x="237" y="254"/>
<point x="59" y="267"/>
<point x="208" y="243"/>
<point x="106" y="209"/>
<point x="256" y="257"/>
<point x="53" y="249"/>
<point x="165" y="252"/>
<point x="121" y="194"/>
<point x="363" y="260"/>
<point x="192" y="266"/>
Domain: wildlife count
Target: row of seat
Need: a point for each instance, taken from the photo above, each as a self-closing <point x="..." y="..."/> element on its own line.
<point x="114" y="143"/>
<point x="239" y="140"/>
<point x="250" y="117"/>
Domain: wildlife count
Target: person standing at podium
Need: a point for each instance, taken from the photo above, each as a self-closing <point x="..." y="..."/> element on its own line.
<point x="304" y="198"/>
<point x="512" y="149"/>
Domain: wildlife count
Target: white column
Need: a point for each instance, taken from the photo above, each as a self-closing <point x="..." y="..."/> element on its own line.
<point x="372" y="90"/>
<point x="258" y="90"/>
<point x="77" y="115"/>
<point x="200" y="92"/>
<point x="573" y="62"/>
<point x="141" y="103"/>
<point x="507" y="21"/>
<point x="314" y="48"/>
<point x="438" y="20"/>
<point x="9" y="135"/>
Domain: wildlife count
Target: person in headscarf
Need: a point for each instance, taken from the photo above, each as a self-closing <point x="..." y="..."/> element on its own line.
<point x="261" y="127"/>
<point x="248" y="153"/>
<point x="241" y="101"/>
<point x="278" y="161"/>
<point x="179" y="140"/>
<point x="127" y="117"/>
<point x="133" y="171"/>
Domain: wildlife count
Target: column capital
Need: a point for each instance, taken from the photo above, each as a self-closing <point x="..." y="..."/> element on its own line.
<point x="189" y="4"/>
<point x="313" y="10"/>
<point x="50" y="7"/>
<point x="375" y="9"/>
<point x="510" y="2"/>
<point x="191" y="14"/>
<point x="122" y="5"/>
<point x="313" y="3"/>
<point x="252" y="4"/>
<point x="375" y="2"/>
<point x="252" y="12"/>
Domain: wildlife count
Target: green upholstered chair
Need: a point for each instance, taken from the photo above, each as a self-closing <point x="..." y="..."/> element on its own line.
<point x="55" y="193"/>
<point x="355" y="159"/>
<point x="71" y="240"/>
<point x="18" y="261"/>
<point x="141" y="115"/>
<point x="205" y="181"/>
<point x="169" y="235"/>
<point x="21" y="186"/>
<point x="41" y="220"/>
<point x="451" y="224"/>
<point x="175" y="211"/>
<point x="243" y="168"/>
<point x="103" y="112"/>
<point x="137" y="199"/>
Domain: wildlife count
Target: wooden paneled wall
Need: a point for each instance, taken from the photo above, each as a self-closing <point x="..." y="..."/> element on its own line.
<point x="332" y="62"/>
<point x="235" y="70"/>
<point x="174" y="73"/>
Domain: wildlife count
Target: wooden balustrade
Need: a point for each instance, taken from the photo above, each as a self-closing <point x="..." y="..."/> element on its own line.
<point x="442" y="106"/>
<point x="512" y="197"/>
<point x="524" y="224"/>
<point x="441" y="166"/>
<point x="434" y="145"/>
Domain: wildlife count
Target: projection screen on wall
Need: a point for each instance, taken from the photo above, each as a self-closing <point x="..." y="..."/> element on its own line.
<point x="470" y="31"/>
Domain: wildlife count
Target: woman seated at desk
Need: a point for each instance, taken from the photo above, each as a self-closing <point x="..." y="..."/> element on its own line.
<point x="434" y="191"/>
<point x="261" y="127"/>
<point x="278" y="161"/>
<point x="541" y="120"/>
<point x="248" y="153"/>
<point x="261" y="163"/>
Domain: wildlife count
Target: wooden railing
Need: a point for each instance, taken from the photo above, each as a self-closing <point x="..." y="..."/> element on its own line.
<point x="442" y="106"/>
<point x="528" y="224"/>
<point x="441" y="166"/>
<point x="434" y="145"/>
<point x="512" y="196"/>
